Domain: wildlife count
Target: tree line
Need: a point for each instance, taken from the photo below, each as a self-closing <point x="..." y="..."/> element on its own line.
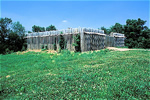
<point x="137" y="35"/>
<point x="42" y="29"/>
<point x="12" y="34"/>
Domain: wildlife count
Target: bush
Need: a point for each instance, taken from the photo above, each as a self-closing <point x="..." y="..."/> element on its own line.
<point x="66" y="52"/>
<point x="77" y="43"/>
<point x="23" y="48"/>
<point x="62" y="41"/>
<point x="42" y="47"/>
<point x="7" y="51"/>
<point x="46" y="47"/>
<point x="55" y="47"/>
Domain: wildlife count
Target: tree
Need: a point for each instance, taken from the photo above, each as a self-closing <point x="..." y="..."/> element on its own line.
<point x="29" y="32"/>
<point x="35" y="28"/>
<point x="50" y="28"/>
<point x="137" y="35"/>
<point x="11" y="36"/>
<point x="42" y="29"/>
<point x="117" y="28"/>
<point x="4" y="28"/>
<point x="106" y="31"/>
<point x="13" y="42"/>
<point x="38" y="29"/>
<point x="18" y="29"/>
<point x="4" y="31"/>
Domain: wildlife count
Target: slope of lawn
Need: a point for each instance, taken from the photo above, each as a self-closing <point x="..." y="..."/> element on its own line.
<point x="94" y="75"/>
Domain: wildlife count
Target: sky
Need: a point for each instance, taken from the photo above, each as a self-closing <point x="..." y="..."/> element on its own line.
<point x="66" y="13"/>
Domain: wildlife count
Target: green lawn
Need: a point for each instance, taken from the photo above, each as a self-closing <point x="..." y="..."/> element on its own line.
<point x="94" y="75"/>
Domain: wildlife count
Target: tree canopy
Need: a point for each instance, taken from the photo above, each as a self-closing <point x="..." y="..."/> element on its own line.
<point x="137" y="35"/>
<point x="11" y="36"/>
<point x="42" y="29"/>
<point x="18" y="29"/>
<point x="106" y="31"/>
<point x="117" y="28"/>
<point x="4" y="28"/>
<point x="50" y="28"/>
<point x="38" y="29"/>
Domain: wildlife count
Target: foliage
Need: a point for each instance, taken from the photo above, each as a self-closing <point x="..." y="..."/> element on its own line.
<point x="23" y="48"/>
<point x="137" y="35"/>
<point x="106" y="31"/>
<point x="4" y="32"/>
<point x="11" y="36"/>
<point x="50" y="28"/>
<point x="29" y="32"/>
<point x="117" y="28"/>
<point x="4" y="28"/>
<point x="46" y="47"/>
<point x="62" y="42"/>
<point x="42" y="29"/>
<point x="38" y="29"/>
<point x="77" y="43"/>
<point x="68" y="75"/>
<point x="18" y="28"/>
<point x="42" y="46"/>
<point x="55" y="47"/>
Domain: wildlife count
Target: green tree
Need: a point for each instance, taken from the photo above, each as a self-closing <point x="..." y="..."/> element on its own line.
<point x="11" y="36"/>
<point x="137" y="35"/>
<point x="13" y="42"/>
<point x="4" y="32"/>
<point x="29" y="32"/>
<point x="42" y="29"/>
<point x="19" y="30"/>
<point x="117" y="28"/>
<point x="35" y="28"/>
<point x="4" y="28"/>
<point x="50" y="28"/>
<point x="38" y="29"/>
<point x="106" y="31"/>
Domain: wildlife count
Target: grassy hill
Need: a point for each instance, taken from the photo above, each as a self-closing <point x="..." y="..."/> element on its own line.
<point x="94" y="75"/>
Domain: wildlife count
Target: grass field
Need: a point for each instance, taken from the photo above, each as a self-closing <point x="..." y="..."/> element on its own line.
<point x="93" y="75"/>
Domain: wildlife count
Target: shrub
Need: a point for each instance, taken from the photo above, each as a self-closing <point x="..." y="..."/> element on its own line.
<point x="55" y="47"/>
<point x="42" y="47"/>
<point x="62" y="42"/>
<point x="77" y="43"/>
<point x="46" y="47"/>
<point x="23" y="48"/>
